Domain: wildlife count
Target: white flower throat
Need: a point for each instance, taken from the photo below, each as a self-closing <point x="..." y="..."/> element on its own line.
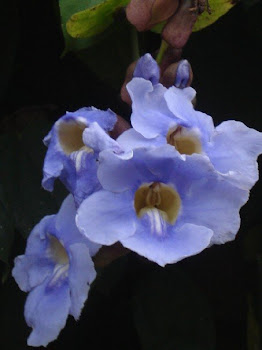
<point x="58" y="254"/>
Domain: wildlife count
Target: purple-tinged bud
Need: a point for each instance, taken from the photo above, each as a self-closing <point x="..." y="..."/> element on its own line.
<point x="178" y="74"/>
<point x="144" y="14"/>
<point x="183" y="73"/>
<point x="147" y="68"/>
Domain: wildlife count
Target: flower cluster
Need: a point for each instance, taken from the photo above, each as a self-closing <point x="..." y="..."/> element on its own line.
<point x="167" y="188"/>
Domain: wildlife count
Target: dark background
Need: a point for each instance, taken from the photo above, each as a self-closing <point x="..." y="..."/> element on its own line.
<point x="211" y="298"/>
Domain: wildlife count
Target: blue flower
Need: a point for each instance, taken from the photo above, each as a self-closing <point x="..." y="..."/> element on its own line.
<point x="57" y="270"/>
<point x="69" y="157"/>
<point x="166" y="116"/>
<point x="161" y="206"/>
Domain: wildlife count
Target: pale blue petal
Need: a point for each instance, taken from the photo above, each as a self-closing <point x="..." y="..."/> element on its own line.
<point x="208" y="198"/>
<point x="37" y="242"/>
<point x="106" y="119"/>
<point x="106" y="217"/>
<point x="85" y="165"/>
<point x="235" y="149"/>
<point x="147" y="68"/>
<point x="180" y="105"/>
<point x="65" y="227"/>
<point x="118" y="174"/>
<point x="31" y="270"/>
<point x="46" y="311"/>
<point x="150" y="114"/>
<point x="131" y="139"/>
<point x="176" y="245"/>
<point x="96" y="138"/>
<point x="81" y="274"/>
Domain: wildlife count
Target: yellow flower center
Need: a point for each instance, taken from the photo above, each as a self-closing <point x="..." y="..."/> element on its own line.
<point x="57" y="251"/>
<point x="184" y="140"/>
<point x="70" y="136"/>
<point x="158" y="196"/>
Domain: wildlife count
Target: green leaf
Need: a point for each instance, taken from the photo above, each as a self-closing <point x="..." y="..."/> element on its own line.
<point x="218" y="8"/>
<point x="94" y="20"/>
<point x="171" y="313"/>
<point x="67" y="9"/>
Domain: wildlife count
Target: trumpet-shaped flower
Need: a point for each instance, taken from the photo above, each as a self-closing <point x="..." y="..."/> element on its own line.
<point x="57" y="271"/>
<point x="166" y="116"/>
<point x="161" y="206"/>
<point x="69" y="157"/>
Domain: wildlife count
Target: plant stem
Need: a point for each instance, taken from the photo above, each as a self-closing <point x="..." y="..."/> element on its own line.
<point x="162" y="50"/>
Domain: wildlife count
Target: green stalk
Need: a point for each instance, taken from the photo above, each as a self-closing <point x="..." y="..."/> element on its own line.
<point x="162" y="50"/>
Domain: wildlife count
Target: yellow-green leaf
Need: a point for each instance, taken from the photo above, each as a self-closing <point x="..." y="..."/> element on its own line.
<point x="218" y="8"/>
<point x="94" y="20"/>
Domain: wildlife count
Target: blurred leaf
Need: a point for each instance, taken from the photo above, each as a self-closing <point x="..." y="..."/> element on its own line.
<point x="33" y="202"/>
<point x="6" y="230"/>
<point x="111" y="275"/>
<point x="21" y="155"/>
<point x="218" y="8"/>
<point x="248" y="3"/>
<point x="110" y="57"/>
<point x="94" y="20"/>
<point x="9" y="26"/>
<point x="171" y="313"/>
<point x="253" y="243"/>
<point x="253" y="330"/>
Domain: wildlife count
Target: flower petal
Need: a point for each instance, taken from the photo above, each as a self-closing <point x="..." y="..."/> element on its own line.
<point x="235" y="149"/>
<point x="176" y="245"/>
<point x="81" y="274"/>
<point x="106" y="217"/>
<point x="96" y="138"/>
<point x="31" y="270"/>
<point x="65" y="227"/>
<point x="46" y="311"/>
<point x="150" y="114"/>
<point x="117" y="173"/>
<point x="131" y="139"/>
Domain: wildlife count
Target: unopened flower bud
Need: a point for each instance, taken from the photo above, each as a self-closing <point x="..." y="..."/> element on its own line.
<point x="146" y="67"/>
<point x="146" y="13"/>
<point x="179" y="27"/>
<point x="178" y="74"/>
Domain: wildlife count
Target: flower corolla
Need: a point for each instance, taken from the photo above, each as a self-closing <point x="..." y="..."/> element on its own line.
<point x="57" y="271"/>
<point x="161" y="206"/>
<point x="70" y="157"/>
